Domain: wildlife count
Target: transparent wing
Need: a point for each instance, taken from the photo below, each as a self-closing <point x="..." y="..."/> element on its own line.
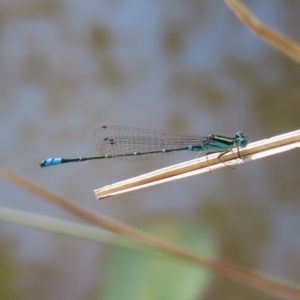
<point x="148" y="144"/>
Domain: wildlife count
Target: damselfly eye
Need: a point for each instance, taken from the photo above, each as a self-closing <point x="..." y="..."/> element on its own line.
<point x="243" y="142"/>
<point x="241" y="139"/>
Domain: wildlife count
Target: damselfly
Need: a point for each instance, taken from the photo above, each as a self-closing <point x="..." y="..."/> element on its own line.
<point x="130" y="144"/>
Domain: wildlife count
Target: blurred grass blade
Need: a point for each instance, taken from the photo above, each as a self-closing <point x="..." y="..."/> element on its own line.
<point x="276" y="39"/>
<point x="87" y="232"/>
<point x="253" y="151"/>
<point x="230" y="271"/>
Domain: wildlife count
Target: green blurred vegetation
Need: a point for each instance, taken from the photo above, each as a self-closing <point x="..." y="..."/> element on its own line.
<point x="134" y="276"/>
<point x="10" y="268"/>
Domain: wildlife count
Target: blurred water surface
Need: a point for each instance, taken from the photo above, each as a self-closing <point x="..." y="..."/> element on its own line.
<point x="68" y="67"/>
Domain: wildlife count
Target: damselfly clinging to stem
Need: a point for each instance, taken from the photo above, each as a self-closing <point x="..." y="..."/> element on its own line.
<point x="130" y="144"/>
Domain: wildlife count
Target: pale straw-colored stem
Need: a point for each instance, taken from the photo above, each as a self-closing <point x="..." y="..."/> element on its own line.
<point x="253" y="151"/>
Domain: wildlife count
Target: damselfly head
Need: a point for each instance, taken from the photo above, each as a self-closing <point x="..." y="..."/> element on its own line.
<point x="241" y="139"/>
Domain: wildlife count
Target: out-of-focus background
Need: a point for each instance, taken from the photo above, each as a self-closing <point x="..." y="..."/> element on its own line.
<point x="68" y="67"/>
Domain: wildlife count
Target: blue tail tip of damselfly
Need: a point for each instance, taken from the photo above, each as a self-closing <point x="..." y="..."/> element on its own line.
<point x="50" y="162"/>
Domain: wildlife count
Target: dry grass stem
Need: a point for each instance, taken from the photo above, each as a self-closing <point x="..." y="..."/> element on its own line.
<point x="204" y="164"/>
<point x="233" y="272"/>
<point x="276" y="39"/>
